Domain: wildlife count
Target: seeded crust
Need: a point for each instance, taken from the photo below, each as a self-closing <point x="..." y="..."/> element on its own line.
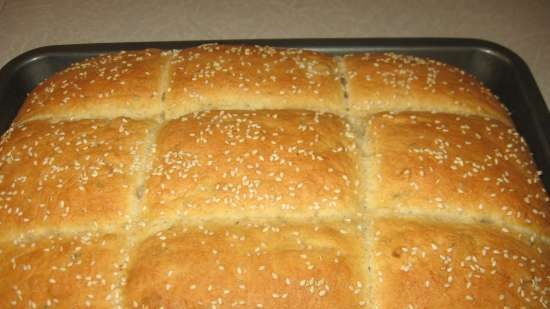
<point x="69" y="173"/>
<point x="462" y="166"/>
<point x="379" y="82"/>
<point x="253" y="177"/>
<point x="228" y="164"/>
<point x="250" y="265"/>
<point x="421" y="264"/>
<point x="61" y="271"/>
<point x="126" y="84"/>
<point x="252" y="77"/>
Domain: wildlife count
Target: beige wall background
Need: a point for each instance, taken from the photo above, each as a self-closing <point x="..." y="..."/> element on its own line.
<point x="523" y="26"/>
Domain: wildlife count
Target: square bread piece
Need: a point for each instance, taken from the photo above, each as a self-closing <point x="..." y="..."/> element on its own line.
<point x="127" y="84"/>
<point x="248" y="265"/>
<point x="460" y="166"/>
<point x="252" y="77"/>
<point x="231" y="164"/>
<point x="380" y="82"/>
<point x="444" y="265"/>
<point x="80" y="173"/>
<point x="62" y="272"/>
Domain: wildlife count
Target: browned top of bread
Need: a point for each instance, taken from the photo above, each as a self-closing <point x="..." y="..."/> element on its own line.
<point x="254" y="177"/>
<point x="378" y="82"/>
<point x="254" y="163"/>
<point x="462" y="166"/>
<point x="251" y="77"/>
<point x="127" y="83"/>
<point x="75" y="173"/>
<point x="61" y="271"/>
<point x="444" y="265"/>
<point x="249" y="265"/>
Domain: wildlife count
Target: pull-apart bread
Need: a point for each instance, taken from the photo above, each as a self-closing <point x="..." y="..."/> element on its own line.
<point x="253" y="177"/>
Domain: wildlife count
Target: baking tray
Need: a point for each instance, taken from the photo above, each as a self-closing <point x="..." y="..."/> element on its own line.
<point x="500" y="69"/>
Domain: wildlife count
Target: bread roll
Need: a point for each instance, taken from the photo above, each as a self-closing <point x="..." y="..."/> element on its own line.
<point x="126" y="84"/>
<point x="251" y="77"/>
<point x="254" y="177"/>
<point x="73" y="174"/>
<point x="379" y="82"/>
<point x="250" y="265"/>
<point x="256" y="164"/>
<point x="466" y="266"/>
<point x="61" y="271"/>
<point x="478" y="169"/>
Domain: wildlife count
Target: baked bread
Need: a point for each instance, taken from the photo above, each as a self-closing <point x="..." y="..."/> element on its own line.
<point x="253" y="177"/>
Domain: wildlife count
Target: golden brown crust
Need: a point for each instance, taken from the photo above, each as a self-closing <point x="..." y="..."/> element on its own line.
<point x="78" y="174"/>
<point x="254" y="163"/>
<point x="249" y="265"/>
<point x="379" y="82"/>
<point x="445" y="265"/>
<point x="253" y="194"/>
<point x="80" y="271"/>
<point x="463" y="166"/>
<point x="252" y="77"/>
<point x="108" y="86"/>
